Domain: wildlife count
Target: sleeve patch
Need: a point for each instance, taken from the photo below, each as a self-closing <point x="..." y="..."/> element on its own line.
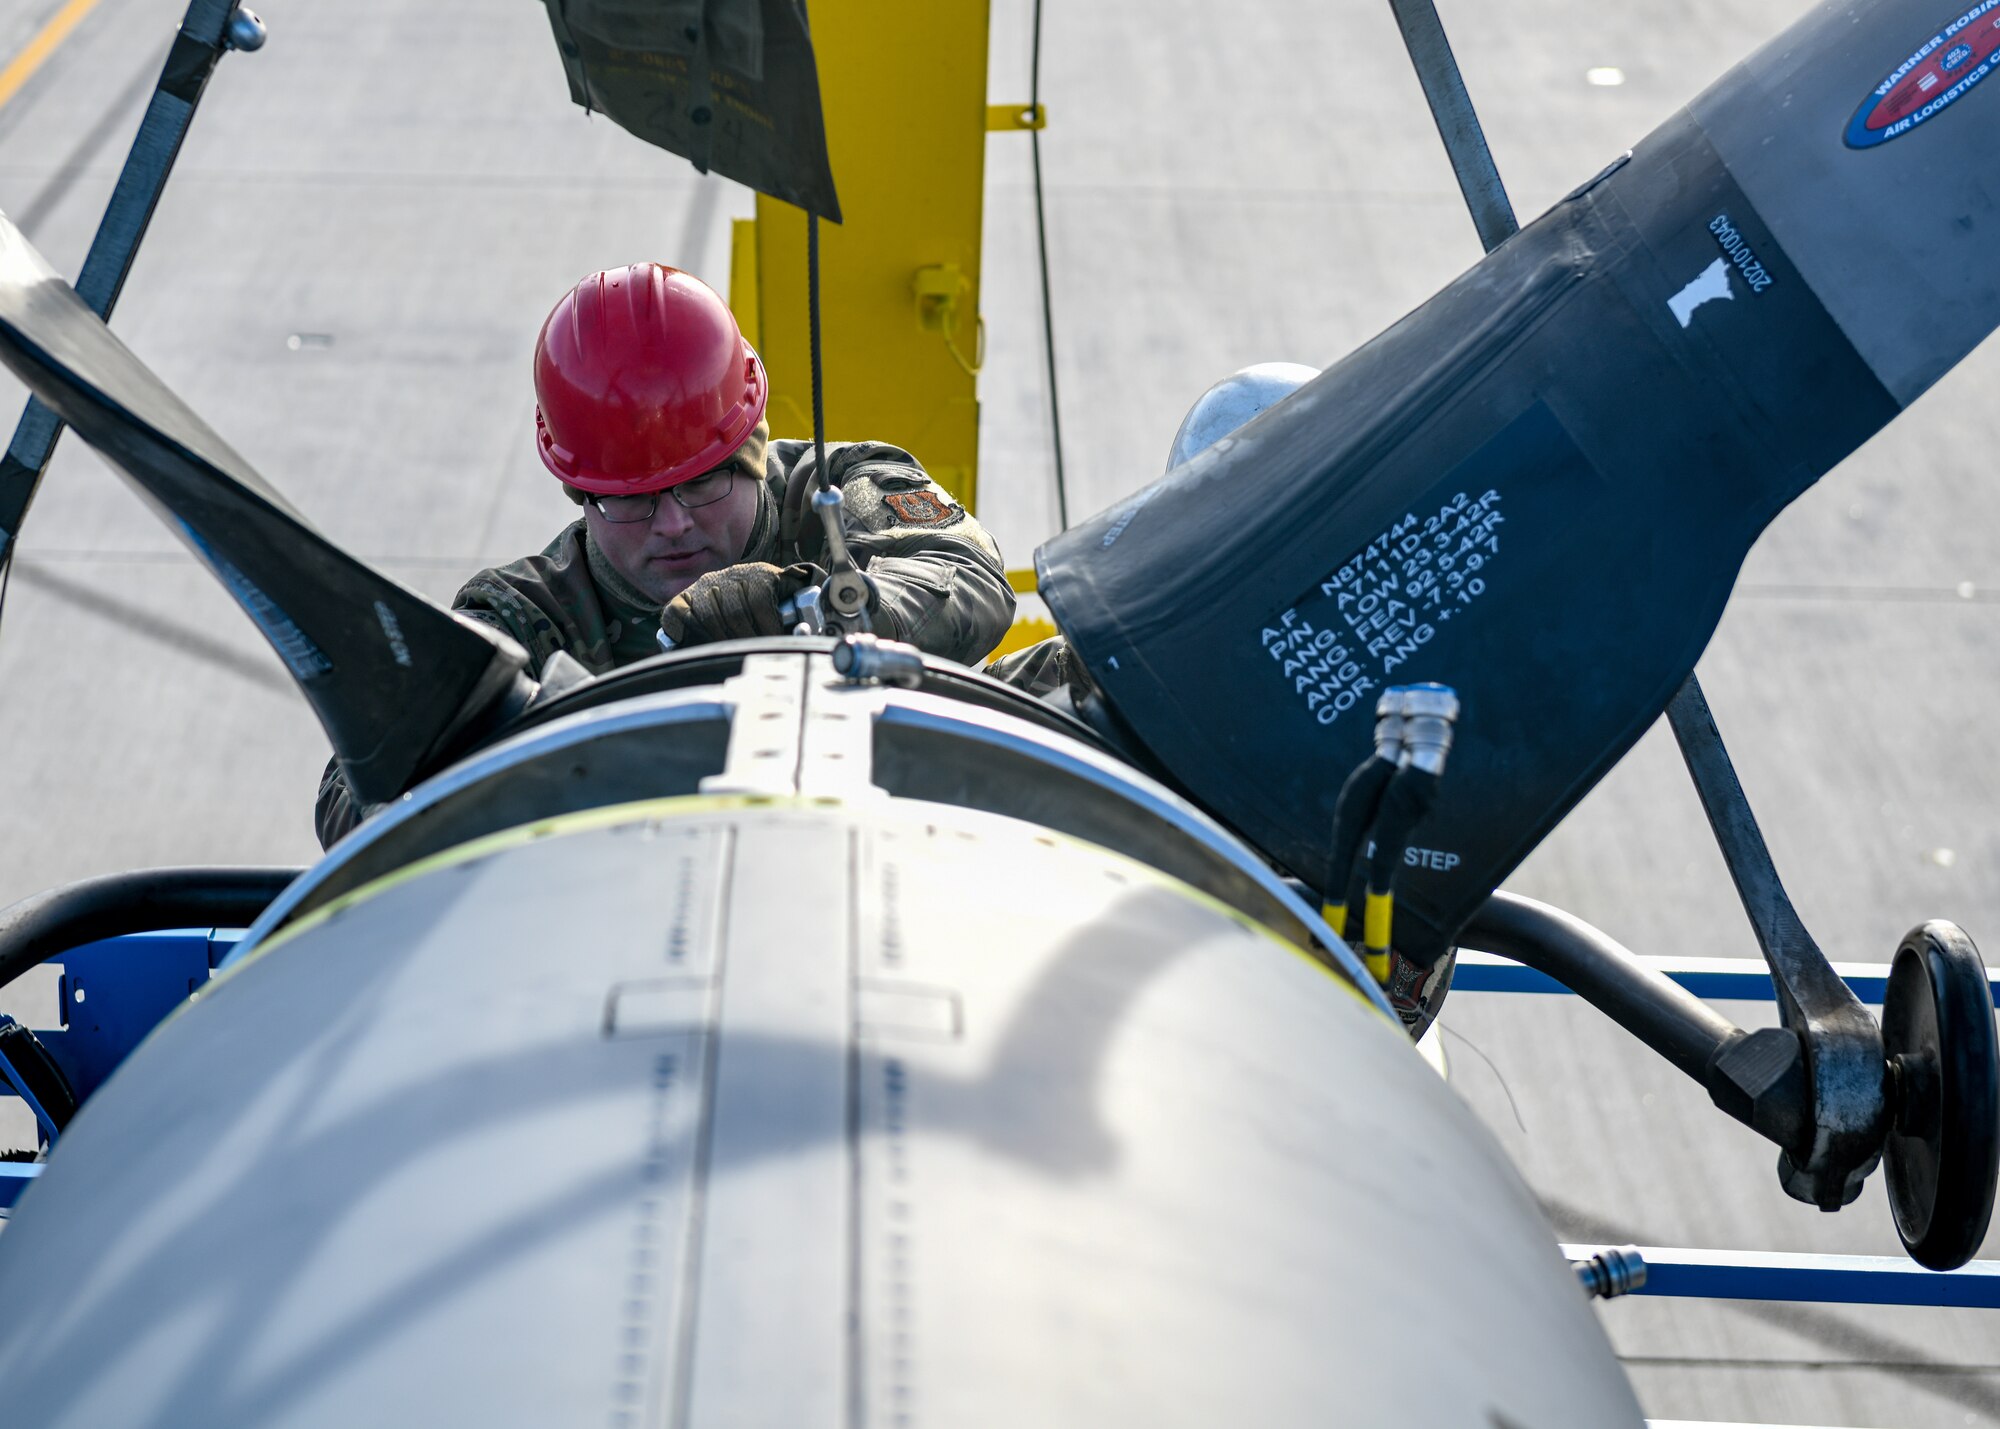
<point x="919" y="508"/>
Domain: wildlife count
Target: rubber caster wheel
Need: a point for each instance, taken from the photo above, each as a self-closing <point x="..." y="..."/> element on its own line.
<point x="1943" y="1153"/>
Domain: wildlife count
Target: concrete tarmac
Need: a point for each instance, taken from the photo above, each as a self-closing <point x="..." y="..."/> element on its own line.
<point x="373" y="214"/>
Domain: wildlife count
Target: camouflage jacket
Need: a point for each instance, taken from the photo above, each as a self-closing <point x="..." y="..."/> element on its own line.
<point x="942" y="586"/>
<point x="939" y="577"/>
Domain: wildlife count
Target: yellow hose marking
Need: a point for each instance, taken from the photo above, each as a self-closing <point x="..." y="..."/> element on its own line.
<point x="1376" y="916"/>
<point x="22" y="67"/>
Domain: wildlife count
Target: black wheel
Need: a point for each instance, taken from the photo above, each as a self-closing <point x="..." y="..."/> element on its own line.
<point x="1943" y="1153"/>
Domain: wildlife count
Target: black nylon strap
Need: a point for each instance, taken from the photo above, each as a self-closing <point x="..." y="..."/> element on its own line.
<point x="189" y="64"/>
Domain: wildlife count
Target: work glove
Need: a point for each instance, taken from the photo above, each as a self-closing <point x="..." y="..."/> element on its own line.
<point x="734" y="603"/>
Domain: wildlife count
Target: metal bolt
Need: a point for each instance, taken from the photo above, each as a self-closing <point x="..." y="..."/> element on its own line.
<point x="862" y="658"/>
<point x="1614" y="1271"/>
<point x="246" y="31"/>
<point x="1428" y="713"/>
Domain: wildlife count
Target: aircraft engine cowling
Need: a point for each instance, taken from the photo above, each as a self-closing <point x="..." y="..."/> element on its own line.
<point x="780" y="1081"/>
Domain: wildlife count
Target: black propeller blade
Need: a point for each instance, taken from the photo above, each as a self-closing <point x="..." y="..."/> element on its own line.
<point x="730" y="85"/>
<point x="396" y="682"/>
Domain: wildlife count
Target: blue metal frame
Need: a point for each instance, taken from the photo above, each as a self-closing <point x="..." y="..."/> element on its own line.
<point x="112" y="993"/>
<point x="1713" y="979"/>
<point x="1761" y="1275"/>
<point x="1820" y="1279"/>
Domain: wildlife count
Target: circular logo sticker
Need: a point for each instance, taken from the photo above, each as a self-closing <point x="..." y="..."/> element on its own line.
<point x="1933" y="79"/>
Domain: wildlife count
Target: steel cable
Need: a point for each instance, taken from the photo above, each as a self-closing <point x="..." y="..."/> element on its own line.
<point x="1042" y="245"/>
<point x="812" y="325"/>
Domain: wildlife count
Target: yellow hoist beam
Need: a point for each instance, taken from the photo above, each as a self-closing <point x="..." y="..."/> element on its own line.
<point x="903" y="83"/>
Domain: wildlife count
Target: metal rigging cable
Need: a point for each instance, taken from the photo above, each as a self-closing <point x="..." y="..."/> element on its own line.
<point x="1042" y="244"/>
<point x="812" y="336"/>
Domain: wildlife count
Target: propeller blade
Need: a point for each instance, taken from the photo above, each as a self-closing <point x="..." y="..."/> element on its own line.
<point x="395" y="680"/>
<point x="730" y="85"/>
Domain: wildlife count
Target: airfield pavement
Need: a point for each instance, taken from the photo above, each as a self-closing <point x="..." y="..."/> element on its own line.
<point x="373" y="214"/>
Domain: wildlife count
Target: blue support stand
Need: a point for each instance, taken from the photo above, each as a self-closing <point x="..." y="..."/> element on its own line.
<point x="113" y="992"/>
<point x="1820" y="1279"/>
<point x="1761" y="1275"/>
<point x="1711" y="979"/>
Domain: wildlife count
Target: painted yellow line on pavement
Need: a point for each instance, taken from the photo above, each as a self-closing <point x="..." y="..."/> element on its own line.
<point x="22" y="67"/>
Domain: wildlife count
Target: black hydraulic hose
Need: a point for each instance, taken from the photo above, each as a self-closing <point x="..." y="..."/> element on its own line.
<point x="1414" y="726"/>
<point x="144" y="901"/>
<point x="1355" y="808"/>
<point x="1658" y="1011"/>
<point x="1353" y="812"/>
<point x="1404" y="803"/>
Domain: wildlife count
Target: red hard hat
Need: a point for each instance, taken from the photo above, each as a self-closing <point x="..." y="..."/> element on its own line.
<point x="643" y="381"/>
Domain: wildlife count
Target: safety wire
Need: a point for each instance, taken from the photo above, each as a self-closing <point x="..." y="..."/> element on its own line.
<point x="1042" y="244"/>
<point x="978" y="361"/>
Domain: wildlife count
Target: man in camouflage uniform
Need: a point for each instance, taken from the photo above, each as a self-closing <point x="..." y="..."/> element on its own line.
<point x="650" y="412"/>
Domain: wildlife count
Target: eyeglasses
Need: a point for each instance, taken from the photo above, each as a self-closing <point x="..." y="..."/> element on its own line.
<point x="704" y="490"/>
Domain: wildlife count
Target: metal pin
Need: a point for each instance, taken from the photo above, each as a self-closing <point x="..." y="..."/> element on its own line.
<point x="1616" y="1270"/>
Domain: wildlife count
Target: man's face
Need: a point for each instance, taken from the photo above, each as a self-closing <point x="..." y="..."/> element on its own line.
<point x="665" y="555"/>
